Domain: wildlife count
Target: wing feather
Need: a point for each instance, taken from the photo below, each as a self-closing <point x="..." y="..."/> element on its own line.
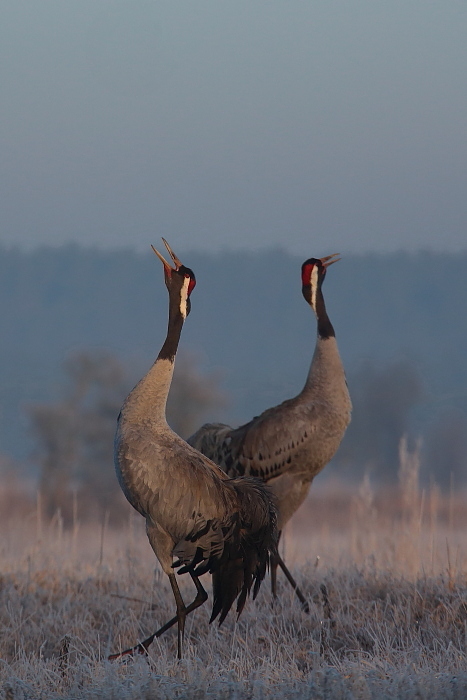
<point x="235" y="551"/>
<point x="271" y="444"/>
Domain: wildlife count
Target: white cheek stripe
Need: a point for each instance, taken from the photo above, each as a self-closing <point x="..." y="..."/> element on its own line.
<point x="314" y="285"/>
<point x="184" y="296"/>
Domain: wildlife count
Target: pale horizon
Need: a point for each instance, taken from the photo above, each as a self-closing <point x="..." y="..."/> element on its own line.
<point x="234" y="126"/>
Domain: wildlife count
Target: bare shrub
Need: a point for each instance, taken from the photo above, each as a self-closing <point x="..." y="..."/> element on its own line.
<point x="383" y="399"/>
<point x="445" y="453"/>
<point x="74" y="436"/>
<point x="193" y="394"/>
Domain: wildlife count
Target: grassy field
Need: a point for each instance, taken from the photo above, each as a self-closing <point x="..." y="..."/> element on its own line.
<point x="385" y="575"/>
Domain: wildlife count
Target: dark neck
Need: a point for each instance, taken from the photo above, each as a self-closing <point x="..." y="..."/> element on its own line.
<point x="325" y="328"/>
<point x="169" y="349"/>
<point x="148" y="399"/>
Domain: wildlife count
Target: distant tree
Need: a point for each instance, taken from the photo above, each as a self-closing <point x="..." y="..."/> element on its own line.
<point x="383" y="399"/>
<point x="97" y="387"/>
<point x="193" y="394"/>
<point x="54" y="431"/>
<point x="445" y="454"/>
<point x="74" y="436"/>
<point x="16" y="496"/>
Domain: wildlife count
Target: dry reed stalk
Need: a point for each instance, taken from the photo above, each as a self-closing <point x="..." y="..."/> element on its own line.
<point x="378" y="627"/>
<point x="412" y="503"/>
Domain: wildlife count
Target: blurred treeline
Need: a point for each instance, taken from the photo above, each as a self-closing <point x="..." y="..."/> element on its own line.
<point x="74" y="435"/>
<point x="80" y="326"/>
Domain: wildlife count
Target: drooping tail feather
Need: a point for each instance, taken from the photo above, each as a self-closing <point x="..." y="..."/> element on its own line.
<point x="235" y="551"/>
<point x="227" y="583"/>
<point x="246" y="557"/>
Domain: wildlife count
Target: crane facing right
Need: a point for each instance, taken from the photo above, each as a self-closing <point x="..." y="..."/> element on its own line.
<point x="288" y="445"/>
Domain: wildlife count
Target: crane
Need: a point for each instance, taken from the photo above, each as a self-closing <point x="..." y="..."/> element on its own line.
<point x="193" y="511"/>
<point x="289" y="444"/>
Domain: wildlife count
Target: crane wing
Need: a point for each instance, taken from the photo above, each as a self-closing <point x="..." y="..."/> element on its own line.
<point x="270" y="444"/>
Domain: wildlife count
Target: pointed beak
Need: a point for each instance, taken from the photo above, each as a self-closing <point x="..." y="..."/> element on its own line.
<point x="168" y="268"/>
<point x="330" y="259"/>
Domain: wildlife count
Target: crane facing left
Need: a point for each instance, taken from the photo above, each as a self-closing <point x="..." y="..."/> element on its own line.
<point x="193" y="510"/>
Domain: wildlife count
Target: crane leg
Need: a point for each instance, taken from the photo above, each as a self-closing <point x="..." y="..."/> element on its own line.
<point x="273" y="568"/>
<point x="142" y="647"/>
<point x="276" y="560"/>
<point x="273" y="563"/>
<point x="293" y="583"/>
<point x="181" y="613"/>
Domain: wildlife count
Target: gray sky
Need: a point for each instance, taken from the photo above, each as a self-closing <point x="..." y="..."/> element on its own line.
<point x="317" y="125"/>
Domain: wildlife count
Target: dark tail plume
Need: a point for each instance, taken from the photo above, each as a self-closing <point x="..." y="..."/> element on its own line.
<point x="246" y="556"/>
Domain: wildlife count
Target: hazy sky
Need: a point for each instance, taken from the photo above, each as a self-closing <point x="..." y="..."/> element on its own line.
<point x="317" y="126"/>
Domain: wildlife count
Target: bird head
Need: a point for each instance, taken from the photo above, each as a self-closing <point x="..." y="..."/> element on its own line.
<point x="179" y="280"/>
<point x="313" y="274"/>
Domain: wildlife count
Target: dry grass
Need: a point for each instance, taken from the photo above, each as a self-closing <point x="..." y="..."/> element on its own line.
<point x="388" y="609"/>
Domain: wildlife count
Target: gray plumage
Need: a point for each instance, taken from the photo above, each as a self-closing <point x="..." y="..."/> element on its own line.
<point x="193" y="510"/>
<point x="288" y="445"/>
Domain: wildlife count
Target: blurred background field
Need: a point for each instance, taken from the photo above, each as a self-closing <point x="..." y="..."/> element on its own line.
<point x="379" y="547"/>
<point x="80" y="326"/>
<point x="384" y="571"/>
<point x="252" y="136"/>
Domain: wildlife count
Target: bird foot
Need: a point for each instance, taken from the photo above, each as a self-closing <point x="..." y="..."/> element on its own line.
<point x="141" y="648"/>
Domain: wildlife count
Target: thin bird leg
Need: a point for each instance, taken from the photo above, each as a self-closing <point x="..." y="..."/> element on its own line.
<point x="293" y="583"/>
<point x="142" y="647"/>
<point x="275" y="561"/>
<point x="181" y="613"/>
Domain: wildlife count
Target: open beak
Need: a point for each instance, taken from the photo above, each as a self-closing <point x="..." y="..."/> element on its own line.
<point x="177" y="263"/>
<point x="330" y="259"/>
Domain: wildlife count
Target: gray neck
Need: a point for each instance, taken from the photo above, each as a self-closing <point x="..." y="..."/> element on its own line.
<point x="148" y="399"/>
<point x="147" y="402"/>
<point x="326" y="374"/>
